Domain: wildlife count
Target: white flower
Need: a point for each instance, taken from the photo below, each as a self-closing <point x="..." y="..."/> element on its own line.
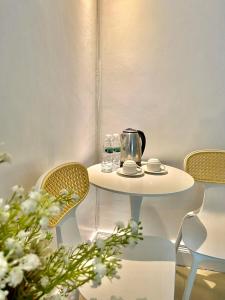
<point x="30" y="262"/>
<point x="133" y="226"/>
<point x="3" y="295"/>
<point x="35" y="195"/>
<point x="15" y="276"/>
<point x="3" y="265"/>
<point x="100" y="243"/>
<point x="3" y="284"/>
<point x="19" y="190"/>
<point x="120" y="224"/>
<point x="100" y="269"/>
<point x="28" y="206"/>
<point x="10" y="243"/>
<point x="44" y="222"/>
<point x="4" y="217"/>
<point x="75" y="197"/>
<point x="5" y="157"/>
<point x="54" y="210"/>
<point x="63" y="192"/>
<point x="22" y="234"/>
<point x="6" y="207"/>
<point x="44" y="281"/>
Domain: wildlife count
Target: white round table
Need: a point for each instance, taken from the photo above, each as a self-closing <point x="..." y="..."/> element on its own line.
<point x="174" y="181"/>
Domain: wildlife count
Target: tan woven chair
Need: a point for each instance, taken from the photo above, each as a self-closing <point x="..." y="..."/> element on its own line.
<point x="71" y="176"/>
<point x="206" y="165"/>
<point x="203" y="232"/>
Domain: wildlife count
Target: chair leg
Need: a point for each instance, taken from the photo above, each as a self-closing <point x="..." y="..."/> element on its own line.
<point x="191" y="277"/>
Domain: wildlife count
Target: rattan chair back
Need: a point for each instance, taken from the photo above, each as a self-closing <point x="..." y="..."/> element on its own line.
<point x="206" y="165"/>
<point x="71" y="176"/>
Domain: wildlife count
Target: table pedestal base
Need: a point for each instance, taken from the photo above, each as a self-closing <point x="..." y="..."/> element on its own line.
<point x="135" y="206"/>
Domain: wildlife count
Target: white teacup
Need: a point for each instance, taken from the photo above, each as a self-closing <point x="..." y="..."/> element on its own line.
<point x="130" y="167"/>
<point x="155" y="165"/>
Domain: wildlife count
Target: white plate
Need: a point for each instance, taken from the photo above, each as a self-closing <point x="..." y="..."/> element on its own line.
<point x="156" y="172"/>
<point x="138" y="174"/>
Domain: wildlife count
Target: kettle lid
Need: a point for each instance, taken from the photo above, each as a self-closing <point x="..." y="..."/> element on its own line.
<point x="130" y="130"/>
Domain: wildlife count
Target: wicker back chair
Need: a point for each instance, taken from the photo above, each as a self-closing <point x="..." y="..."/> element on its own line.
<point x="206" y="165"/>
<point x="202" y="231"/>
<point x="71" y="176"/>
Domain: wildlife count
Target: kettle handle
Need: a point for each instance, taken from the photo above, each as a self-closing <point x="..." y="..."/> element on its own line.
<point x="143" y="140"/>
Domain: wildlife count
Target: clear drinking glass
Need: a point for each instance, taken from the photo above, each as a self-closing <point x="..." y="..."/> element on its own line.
<point x="116" y="151"/>
<point x="107" y="155"/>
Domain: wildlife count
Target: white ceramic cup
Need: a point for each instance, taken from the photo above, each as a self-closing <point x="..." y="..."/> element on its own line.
<point x="155" y="165"/>
<point x="130" y="167"/>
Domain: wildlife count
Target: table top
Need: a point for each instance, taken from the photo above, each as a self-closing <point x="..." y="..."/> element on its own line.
<point x="174" y="181"/>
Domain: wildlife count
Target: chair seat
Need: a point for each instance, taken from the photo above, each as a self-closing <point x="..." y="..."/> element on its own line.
<point x="151" y="277"/>
<point x="202" y="241"/>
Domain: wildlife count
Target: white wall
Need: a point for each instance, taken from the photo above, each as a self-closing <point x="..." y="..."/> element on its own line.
<point x="47" y="89"/>
<point x="163" y="70"/>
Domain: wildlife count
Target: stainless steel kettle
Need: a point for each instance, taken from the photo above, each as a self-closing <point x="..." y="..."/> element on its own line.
<point x="132" y="145"/>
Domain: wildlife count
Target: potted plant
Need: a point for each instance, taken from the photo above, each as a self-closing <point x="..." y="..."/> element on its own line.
<point x="30" y="269"/>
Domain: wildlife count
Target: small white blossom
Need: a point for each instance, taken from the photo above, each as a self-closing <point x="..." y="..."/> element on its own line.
<point x="3" y="295"/>
<point x="100" y="243"/>
<point x="35" y="195"/>
<point x="4" y="216"/>
<point x="22" y="234"/>
<point x="44" y="281"/>
<point x="54" y="210"/>
<point x="44" y="222"/>
<point x="15" y="276"/>
<point x="75" y="197"/>
<point x="63" y="192"/>
<point x="133" y="226"/>
<point x="3" y="265"/>
<point x="28" y="206"/>
<point x="6" y="207"/>
<point x="120" y="224"/>
<point x="19" y="190"/>
<point x="30" y="262"/>
<point x="100" y="269"/>
<point x="2" y="284"/>
<point x="10" y="243"/>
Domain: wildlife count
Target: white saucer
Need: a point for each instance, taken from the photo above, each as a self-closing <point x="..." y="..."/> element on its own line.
<point x="154" y="172"/>
<point x="138" y="174"/>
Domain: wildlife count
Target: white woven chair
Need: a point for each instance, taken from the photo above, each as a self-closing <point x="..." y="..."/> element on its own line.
<point x="203" y="232"/>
